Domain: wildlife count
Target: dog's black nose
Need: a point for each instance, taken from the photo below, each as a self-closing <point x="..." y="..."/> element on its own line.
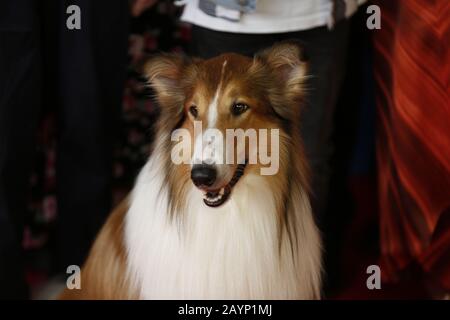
<point x="203" y="175"/>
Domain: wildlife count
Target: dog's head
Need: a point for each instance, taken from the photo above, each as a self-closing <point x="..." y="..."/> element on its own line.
<point x="208" y="106"/>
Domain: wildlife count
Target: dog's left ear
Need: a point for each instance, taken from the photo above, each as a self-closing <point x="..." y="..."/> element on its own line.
<point x="288" y="63"/>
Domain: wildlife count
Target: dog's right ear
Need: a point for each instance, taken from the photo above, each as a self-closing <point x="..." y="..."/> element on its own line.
<point x="163" y="73"/>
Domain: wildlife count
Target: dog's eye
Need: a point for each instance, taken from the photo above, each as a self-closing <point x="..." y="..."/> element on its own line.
<point x="193" y="111"/>
<point x="238" y="108"/>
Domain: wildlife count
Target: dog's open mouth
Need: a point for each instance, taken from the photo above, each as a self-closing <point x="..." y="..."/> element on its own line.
<point x="215" y="198"/>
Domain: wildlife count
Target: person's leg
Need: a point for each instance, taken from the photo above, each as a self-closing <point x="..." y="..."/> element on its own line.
<point x="326" y="50"/>
<point x="92" y="68"/>
<point x="20" y="76"/>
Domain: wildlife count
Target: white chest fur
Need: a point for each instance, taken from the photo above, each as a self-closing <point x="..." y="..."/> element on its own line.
<point x="230" y="252"/>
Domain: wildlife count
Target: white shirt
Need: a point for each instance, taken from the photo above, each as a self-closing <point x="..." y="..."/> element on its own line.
<point x="270" y="16"/>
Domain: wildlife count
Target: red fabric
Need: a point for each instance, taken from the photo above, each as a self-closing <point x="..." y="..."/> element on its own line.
<point x="413" y="143"/>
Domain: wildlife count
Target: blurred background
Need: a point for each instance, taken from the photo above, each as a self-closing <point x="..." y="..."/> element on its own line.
<point x="388" y="201"/>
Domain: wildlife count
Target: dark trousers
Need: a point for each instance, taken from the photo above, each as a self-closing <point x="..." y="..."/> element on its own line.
<point x="326" y="51"/>
<point x="79" y="74"/>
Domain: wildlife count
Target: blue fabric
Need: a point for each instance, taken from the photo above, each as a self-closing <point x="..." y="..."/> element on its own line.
<point x="243" y="6"/>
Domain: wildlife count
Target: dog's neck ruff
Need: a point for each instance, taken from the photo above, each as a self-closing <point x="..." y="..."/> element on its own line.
<point x="229" y="252"/>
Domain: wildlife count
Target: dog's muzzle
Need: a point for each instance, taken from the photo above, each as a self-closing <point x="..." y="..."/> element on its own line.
<point x="204" y="176"/>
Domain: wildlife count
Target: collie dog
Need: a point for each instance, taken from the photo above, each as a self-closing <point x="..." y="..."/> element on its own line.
<point x="206" y="228"/>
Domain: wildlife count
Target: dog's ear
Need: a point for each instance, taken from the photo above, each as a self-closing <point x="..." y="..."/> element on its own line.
<point x="171" y="76"/>
<point x="164" y="74"/>
<point x="288" y="64"/>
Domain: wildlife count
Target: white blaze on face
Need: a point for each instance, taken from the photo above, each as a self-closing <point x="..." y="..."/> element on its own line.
<point x="213" y="107"/>
<point x="208" y="147"/>
<point x="212" y="110"/>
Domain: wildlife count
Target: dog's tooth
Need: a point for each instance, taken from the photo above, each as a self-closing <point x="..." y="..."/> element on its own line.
<point x="222" y="192"/>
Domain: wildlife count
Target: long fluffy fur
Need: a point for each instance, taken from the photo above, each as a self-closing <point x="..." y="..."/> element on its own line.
<point x="164" y="243"/>
<point x="231" y="252"/>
